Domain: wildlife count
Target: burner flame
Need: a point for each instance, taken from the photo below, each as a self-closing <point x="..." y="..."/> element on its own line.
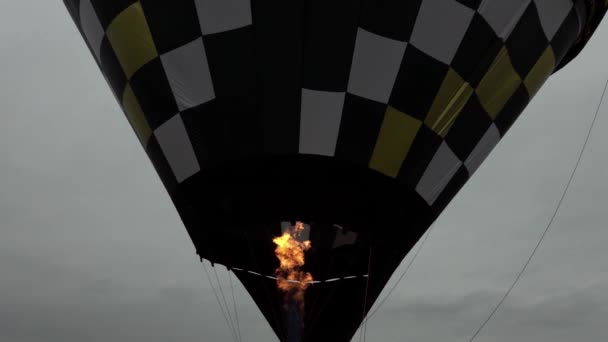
<point x="291" y="280"/>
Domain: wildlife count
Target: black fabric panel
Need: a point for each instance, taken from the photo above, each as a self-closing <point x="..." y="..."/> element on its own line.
<point x="328" y="190"/>
<point x="472" y="4"/>
<point x="278" y="63"/>
<point x="470" y="126"/>
<point x="359" y="128"/>
<point x="513" y="108"/>
<point x="112" y="69"/>
<point x="245" y="124"/>
<point x="154" y="93"/>
<point x="200" y="123"/>
<point x="171" y="26"/>
<point x="477" y="51"/>
<point x="329" y="42"/>
<point x="591" y="23"/>
<point x="230" y="58"/>
<point x="224" y="129"/>
<point x="582" y="12"/>
<point x="108" y="10"/>
<point x="157" y="157"/>
<point x="565" y="36"/>
<point x="417" y="83"/>
<point x="389" y="18"/>
<point x="527" y="42"/>
<point x="419" y="156"/>
<point x="73" y="7"/>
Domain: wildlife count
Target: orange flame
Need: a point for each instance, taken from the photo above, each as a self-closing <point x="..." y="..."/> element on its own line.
<point x="290" y="252"/>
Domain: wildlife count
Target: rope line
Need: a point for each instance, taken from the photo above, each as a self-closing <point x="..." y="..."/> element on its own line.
<point x="219" y="302"/>
<point x="363" y="331"/>
<point x="407" y="268"/>
<point x="312" y="282"/>
<point x="369" y="266"/>
<point x="236" y="313"/>
<point x="550" y="223"/>
<point x="225" y="302"/>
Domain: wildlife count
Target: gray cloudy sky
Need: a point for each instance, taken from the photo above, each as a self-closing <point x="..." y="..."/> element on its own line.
<point x="92" y="250"/>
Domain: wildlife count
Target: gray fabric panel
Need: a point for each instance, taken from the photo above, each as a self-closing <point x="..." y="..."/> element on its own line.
<point x="503" y="15"/>
<point x="175" y="144"/>
<point x="320" y="121"/>
<point x="188" y="73"/>
<point x="344" y="239"/>
<point x="285" y="226"/>
<point x="438" y="174"/>
<point x="440" y="35"/>
<point x="223" y="15"/>
<point x="91" y="26"/>
<point x="375" y="66"/>
<point x="485" y="145"/>
<point x="552" y="14"/>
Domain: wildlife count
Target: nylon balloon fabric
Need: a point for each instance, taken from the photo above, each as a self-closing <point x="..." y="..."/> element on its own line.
<point x="360" y="118"/>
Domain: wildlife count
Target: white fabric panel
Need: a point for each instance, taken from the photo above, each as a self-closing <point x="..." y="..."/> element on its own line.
<point x="320" y="121"/>
<point x="223" y="15"/>
<point x="438" y="174"/>
<point x="552" y="14"/>
<point x="91" y="26"/>
<point x="485" y="145"/>
<point x="503" y="15"/>
<point x="375" y="66"/>
<point x="188" y="73"/>
<point x="175" y="144"/>
<point x="437" y="34"/>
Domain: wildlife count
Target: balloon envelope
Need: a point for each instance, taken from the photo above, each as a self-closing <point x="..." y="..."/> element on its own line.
<point x="362" y="118"/>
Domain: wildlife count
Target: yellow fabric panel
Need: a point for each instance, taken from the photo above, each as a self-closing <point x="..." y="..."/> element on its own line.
<point x="394" y="141"/>
<point x="135" y="115"/>
<point x="451" y="98"/>
<point x="540" y="72"/>
<point x="498" y="84"/>
<point x="131" y="39"/>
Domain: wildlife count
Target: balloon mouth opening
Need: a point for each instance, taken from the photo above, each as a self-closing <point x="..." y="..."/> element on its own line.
<point x="241" y="214"/>
<point x="336" y="201"/>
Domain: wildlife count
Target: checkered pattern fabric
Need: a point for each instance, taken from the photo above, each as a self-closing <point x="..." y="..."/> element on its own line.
<point x="419" y="90"/>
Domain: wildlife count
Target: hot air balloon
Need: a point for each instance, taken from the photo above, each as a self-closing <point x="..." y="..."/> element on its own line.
<point x="356" y="121"/>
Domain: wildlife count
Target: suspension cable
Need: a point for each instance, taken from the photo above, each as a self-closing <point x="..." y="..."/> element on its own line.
<point x="225" y="303"/>
<point x="219" y="302"/>
<point x="236" y="313"/>
<point x="407" y="268"/>
<point x="363" y="331"/>
<point x="550" y="223"/>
